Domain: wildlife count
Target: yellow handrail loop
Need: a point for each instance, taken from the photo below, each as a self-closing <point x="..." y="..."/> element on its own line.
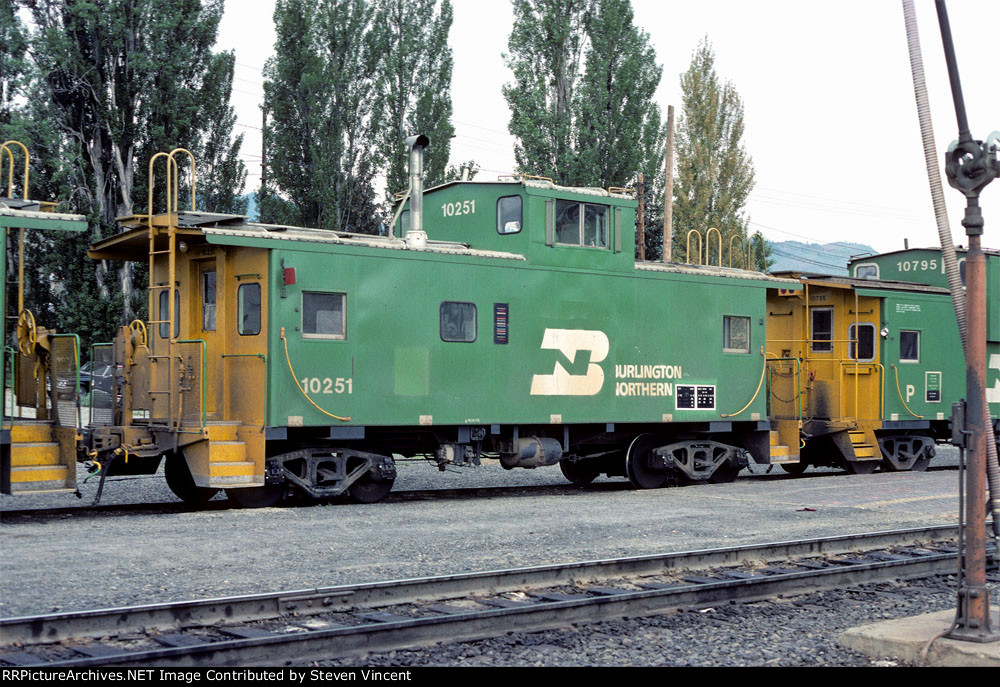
<point x="687" y="257"/>
<point x="708" y="245"/>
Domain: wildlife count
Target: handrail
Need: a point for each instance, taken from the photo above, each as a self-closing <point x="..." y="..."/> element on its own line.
<point x="900" y="394"/>
<point x="746" y="264"/>
<point x="708" y="245"/>
<point x="759" y="384"/>
<point x="296" y="380"/>
<point x="687" y="257"/>
<point x="798" y="376"/>
<point x="27" y="166"/>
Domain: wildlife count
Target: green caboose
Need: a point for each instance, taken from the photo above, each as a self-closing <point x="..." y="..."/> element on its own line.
<point x="522" y="329"/>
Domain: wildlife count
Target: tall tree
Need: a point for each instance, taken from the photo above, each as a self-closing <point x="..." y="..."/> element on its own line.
<point x="13" y="62"/>
<point x="546" y="49"/>
<point x="317" y="97"/>
<point x="123" y="79"/>
<point x="714" y="171"/>
<point x="413" y="86"/>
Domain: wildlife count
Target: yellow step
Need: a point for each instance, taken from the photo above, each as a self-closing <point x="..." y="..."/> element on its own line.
<point x="30" y="433"/>
<point x="774" y="437"/>
<point x="227" y="451"/>
<point x="222" y="431"/>
<point x="232" y="469"/>
<point x="778" y="451"/>
<point x="864" y="451"/>
<point x="33" y="454"/>
<point x="41" y="473"/>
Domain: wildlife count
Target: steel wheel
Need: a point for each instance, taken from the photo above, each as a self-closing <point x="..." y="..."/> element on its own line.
<point x="644" y="470"/>
<point x="861" y="467"/>
<point x="581" y="472"/>
<point x="257" y="497"/>
<point x="794" y="468"/>
<point x="372" y="487"/>
<point x="181" y="482"/>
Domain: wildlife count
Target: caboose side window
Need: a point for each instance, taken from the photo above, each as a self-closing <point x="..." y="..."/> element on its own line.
<point x="581" y="224"/>
<point x="208" y="301"/>
<point x="509" y="215"/>
<point x="458" y="321"/>
<point x="248" y="305"/>
<point x="323" y="315"/>
<point x="862" y="346"/>
<point x="165" y="313"/>
<point x="822" y="330"/>
<point x="735" y="334"/>
<point x="909" y="346"/>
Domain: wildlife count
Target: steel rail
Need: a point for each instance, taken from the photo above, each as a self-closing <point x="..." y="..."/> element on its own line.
<point x="167" y="617"/>
<point x="300" y="647"/>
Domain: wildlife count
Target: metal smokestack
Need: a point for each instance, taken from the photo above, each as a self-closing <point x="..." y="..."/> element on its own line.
<point x="416" y="237"/>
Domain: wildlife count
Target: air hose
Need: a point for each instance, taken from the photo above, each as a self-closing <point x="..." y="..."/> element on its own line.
<point x="944" y="233"/>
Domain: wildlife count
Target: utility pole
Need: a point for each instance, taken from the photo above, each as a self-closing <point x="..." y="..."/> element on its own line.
<point x="642" y="221"/>
<point x="668" y="192"/>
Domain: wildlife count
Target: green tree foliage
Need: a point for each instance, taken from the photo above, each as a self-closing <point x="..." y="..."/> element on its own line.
<point x="116" y="82"/>
<point x="317" y="95"/>
<point x="13" y="62"/>
<point x="714" y="171"/>
<point x="413" y="86"/>
<point x="546" y="49"/>
<point x="582" y="99"/>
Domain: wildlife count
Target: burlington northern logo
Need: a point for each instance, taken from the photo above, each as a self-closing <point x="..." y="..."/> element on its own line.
<point x="569" y="342"/>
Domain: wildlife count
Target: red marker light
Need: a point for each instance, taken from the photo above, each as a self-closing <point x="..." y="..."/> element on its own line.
<point x="289" y="276"/>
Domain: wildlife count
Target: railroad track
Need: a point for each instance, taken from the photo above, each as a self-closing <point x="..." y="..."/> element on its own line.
<point x="306" y="625"/>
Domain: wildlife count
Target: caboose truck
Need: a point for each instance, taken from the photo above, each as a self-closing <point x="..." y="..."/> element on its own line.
<point x="40" y="418"/>
<point x="283" y="358"/>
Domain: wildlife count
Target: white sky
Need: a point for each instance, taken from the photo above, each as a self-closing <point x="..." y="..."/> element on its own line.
<point x="831" y="122"/>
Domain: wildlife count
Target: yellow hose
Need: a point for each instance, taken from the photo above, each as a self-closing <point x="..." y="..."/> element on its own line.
<point x="296" y="380"/>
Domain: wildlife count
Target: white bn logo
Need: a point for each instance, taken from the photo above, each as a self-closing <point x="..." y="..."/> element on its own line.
<point x="569" y="342"/>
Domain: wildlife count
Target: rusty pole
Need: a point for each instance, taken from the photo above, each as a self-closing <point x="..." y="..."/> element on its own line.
<point x="970" y="167"/>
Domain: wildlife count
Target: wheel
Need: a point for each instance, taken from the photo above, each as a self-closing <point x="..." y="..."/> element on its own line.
<point x="861" y="467"/>
<point x="369" y="490"/>
<point x="27" y="333"/>
<point x="645" y="471"/>
<point x="794" y="468"/>
<point x="257" y="497"/>
<point x="581" y="472"/>
<point x="181" y="482"/>
<point x="373" y="486"/>
<point x="724" y="474"/>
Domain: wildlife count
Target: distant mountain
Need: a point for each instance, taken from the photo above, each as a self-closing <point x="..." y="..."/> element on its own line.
<point x="818" y="258"/>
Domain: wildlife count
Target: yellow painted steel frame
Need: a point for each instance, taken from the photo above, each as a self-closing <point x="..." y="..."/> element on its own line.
<point x="743" y="251"/>
<point x="687" y="257"/>
<point x="708" y="245"/>
<point x="10" y="194"/>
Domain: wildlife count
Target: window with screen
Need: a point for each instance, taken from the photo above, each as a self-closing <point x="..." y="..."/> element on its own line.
<point x="458" y="321"/>
<point x="248" y="310"/>
<point x="909" y="346"/>
<point x="862" y="345"/>
<point x="868" y="271"/>
<point x="323" y="315"/>
<point x="735" y="334"/>
<point x="822" y="330"/>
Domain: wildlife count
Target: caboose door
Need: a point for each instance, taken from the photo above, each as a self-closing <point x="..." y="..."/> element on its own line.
<point x="209" y="305"/>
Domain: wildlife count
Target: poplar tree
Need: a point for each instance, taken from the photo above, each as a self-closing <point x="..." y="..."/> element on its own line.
<point x="116" y="82"/>
<point x="413" y="86"/>
<point x="317" y="98"/>
<point x="715" y="173"/>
